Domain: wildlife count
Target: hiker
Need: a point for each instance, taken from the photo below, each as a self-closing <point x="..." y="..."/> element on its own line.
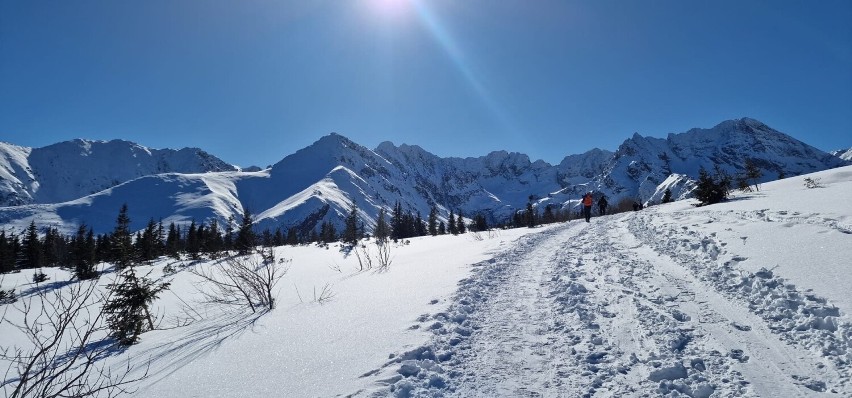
<point x="587" y="206"/>
<point x="602" y="203"/>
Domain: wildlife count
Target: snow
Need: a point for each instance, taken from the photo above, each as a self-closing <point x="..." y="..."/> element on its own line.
<point x="745" y="298"/>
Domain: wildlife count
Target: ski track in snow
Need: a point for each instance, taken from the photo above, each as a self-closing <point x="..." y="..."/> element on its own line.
<point x="626" y="306"/>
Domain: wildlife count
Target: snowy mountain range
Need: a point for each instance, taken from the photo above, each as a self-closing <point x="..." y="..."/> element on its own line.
<point x="54" y="185"/>
<point x="73" y="169"/>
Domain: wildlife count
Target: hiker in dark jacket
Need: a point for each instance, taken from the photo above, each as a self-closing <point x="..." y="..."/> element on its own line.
<point x="602" y="203"/>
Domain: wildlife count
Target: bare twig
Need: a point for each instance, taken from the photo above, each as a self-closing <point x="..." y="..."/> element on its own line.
<point x="62" y="326"/>
<point x="325" y="295"/>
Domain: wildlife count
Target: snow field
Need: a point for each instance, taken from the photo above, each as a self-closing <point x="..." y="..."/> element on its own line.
<point x="747" y="298"/>
<point x="302" y="347"/>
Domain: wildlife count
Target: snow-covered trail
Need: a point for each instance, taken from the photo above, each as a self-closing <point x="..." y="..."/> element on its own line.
<point x="518" y="325"/>
<point x="624" y="306"/>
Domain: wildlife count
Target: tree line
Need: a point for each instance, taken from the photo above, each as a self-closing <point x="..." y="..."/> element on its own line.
<point x="83" y="250"/>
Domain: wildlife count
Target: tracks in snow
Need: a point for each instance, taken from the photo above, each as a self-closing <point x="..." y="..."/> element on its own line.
<point x="603" y="309"/>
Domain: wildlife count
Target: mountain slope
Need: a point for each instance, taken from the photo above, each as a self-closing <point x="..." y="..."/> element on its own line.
<point x="73" y="169"/>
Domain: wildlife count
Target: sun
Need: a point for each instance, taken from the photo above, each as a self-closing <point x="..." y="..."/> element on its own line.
<point x="390" y="8"/>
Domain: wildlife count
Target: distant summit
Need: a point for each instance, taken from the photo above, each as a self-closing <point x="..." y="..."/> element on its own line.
<point x="845" y="154"/>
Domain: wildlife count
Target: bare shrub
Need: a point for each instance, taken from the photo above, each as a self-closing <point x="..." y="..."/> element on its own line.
<point x="39" y="277"/>
<point x="623" y="205"/>
<point x="245" y="280"/>
<point x="325" y="295"/>
<point x="812" y="183"/>
<point x="365" y="260"/>
<point x="7" y="296"/>
<point x="64" y="327"/>
<point x="383" y="256"/>
<point x="490" y="233"/>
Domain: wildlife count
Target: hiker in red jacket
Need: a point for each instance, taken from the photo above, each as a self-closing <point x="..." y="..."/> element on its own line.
<point x="587" y="206"/>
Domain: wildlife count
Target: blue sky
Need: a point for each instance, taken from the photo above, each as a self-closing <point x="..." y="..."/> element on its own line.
<point x="253" y="81"/>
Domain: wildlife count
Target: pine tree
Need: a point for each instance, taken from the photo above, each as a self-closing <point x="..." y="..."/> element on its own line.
<point x="712" y="189"/>
<point x="8" y="252"/>
<point x="433" y="221"/>
<point x="460" y="223"/>
<point x="160" y="238"/>
<point x="53" y="248"/>
<point x="548" y="216"/>
<point x="193" y="245"/>
<point x="31" y="253"/>
<point x="246" y="240"/>
<point x="351" y="234"/>
<point x="382" y="230"/>
<point x="292" y="236"/>
<point x="173" y="241"/>
<point x="147" y="245"/>
<point x="480" y="223"/>
<point x="328" y="233"/>
<point x="530" y="216"/>
<point x="213" y="243"/>
<point x="127" y="309"/>
<point x="667" y="196"/>
<point x="266" y="238"/>
<point x="451" y="224"/>
<point x="397" y="222"/>
<point x="753" y="173"/>
<point x="442" y="228"/>
<point x="103" y="248"/>
<point x="83" y="253"/>
<point x="121" y="241"/>
<point x="419" y="226"/>
<point x="278" y="237"/>
<point x="228" y="238"/>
